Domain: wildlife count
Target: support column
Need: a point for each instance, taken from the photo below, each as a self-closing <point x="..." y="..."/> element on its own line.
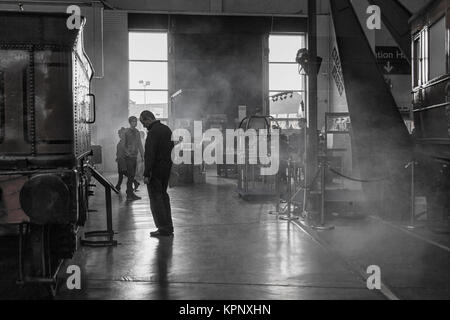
<point x="312" y="92"/>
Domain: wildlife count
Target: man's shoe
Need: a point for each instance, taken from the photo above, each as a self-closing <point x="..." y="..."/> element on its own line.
<point x="133" y="198"/>
<point x="156" y="234"/>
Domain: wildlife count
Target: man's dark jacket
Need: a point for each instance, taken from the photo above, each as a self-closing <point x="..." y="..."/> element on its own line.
<point x="158" y="151"/>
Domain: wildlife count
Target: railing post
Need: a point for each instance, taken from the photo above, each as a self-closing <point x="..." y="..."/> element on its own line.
<point x="412" y="219"/>
<point x="322" y="166"/>
<point x="109" y="232"/>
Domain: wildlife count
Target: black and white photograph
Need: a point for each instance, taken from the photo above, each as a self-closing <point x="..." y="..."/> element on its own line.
<point x="224" y="156"/>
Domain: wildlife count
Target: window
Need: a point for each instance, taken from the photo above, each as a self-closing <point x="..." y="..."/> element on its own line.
<point x="148" y="62"/>
<point x="287" y="88"/>
<point x="420" y="58"/>
<point x="427" y="66"/>
<point x="2" y="106"/>
<point x="438" y="65"/>
<point x="417" y="62"/>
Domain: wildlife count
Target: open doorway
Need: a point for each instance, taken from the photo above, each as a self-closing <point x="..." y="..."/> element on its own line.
<point x="148" y="65"/>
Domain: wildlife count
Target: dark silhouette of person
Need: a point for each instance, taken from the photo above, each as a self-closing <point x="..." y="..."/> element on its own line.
<point x="133" y="147"/>
<point x="158" y="163"/>
<point x="120" y="158"/>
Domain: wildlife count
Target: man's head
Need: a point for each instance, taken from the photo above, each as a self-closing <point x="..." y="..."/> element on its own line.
<point x="147" y="118"/>
<point x="121" y="132"/>
<point x="302" y="123"/>
<point x="133" y="122"/>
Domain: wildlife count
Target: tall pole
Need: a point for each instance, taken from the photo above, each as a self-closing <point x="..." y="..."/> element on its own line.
<point x="312" y="93"/>
<point x="312" y="165"/>
<point x="412" y="223"/>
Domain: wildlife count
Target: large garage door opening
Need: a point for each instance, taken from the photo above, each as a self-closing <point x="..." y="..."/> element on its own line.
<point x="148" y="62"/>
<point x="287" y="88"/>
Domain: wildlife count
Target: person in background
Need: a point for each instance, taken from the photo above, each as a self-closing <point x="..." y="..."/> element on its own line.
<point x="158" y="164"/>
<point x="120" y="158"/>
<point x="140" y="165"/>
<point x="133" y="147"/>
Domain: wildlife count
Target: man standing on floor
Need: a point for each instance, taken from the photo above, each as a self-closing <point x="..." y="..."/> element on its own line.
<point x="133" y="147"/>
<point x="158" y="163"/>
<point x="120" y="158"/>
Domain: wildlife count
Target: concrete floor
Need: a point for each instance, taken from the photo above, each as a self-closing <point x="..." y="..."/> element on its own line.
<point x="223" y="248"/>
<point x="230" y="249"/>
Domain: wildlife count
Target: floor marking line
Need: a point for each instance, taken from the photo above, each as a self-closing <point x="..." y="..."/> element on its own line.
<point x="414" y="235"/>
<point x="385" y="290"/>
<point x="228" y="283"/>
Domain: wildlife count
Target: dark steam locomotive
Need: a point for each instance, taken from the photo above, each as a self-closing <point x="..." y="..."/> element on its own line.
<point x="431" y="102"/>
<point x="46" y="110"/>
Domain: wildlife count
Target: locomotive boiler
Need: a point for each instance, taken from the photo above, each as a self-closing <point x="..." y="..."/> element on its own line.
<point x="46" y="109"/>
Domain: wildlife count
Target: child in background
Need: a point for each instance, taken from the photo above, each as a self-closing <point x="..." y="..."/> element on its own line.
<point x="140" y="165"/>
<point x="120" y="158"/>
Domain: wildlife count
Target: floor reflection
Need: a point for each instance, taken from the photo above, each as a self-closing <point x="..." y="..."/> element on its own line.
<point x="163" y="255"/>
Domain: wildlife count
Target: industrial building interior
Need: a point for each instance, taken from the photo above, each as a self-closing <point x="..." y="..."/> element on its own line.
<point x="352" y="98"/>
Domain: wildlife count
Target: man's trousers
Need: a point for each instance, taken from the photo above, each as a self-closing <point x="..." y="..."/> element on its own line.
<point x="160" y="202"/>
